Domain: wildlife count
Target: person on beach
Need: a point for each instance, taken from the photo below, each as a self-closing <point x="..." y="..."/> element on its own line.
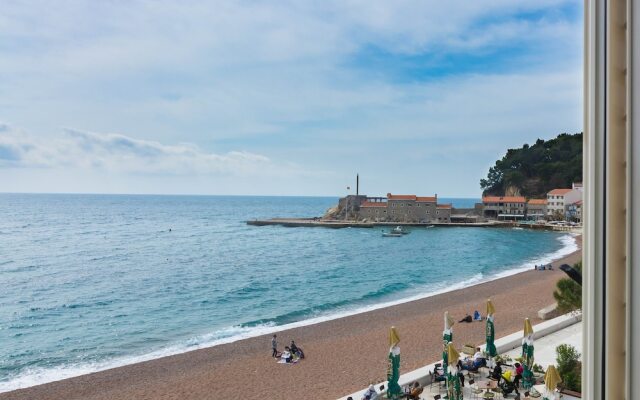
<point x="370" y="394"/>
<point x="497" y="372"/>
<point x="286" y="355"/>
<point x="415" y="392"/>
<point x="296" y="350"/>
<point x="466" y="319"/>
<point x="479" y="360"/>
<point x="274" y="347"/>
<point x="519" y="372"/>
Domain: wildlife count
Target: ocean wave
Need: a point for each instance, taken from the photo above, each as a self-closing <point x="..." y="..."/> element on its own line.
<point x="38" y="375"/>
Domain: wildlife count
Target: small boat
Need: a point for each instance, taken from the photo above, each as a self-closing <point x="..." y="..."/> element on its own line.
<point x="399" y="230"/>
<point x="391" y="234"/>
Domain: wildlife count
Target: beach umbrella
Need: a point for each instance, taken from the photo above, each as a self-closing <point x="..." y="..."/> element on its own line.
<point x="527" y="355"/>
<point x="454" y="389"/>
<point x="551" y="380"/>
<point x="447" y="337"/>
<point x="491" y="330"/>
<point x="394" y="391"/>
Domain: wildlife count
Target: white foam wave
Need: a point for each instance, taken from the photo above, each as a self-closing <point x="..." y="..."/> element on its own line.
<point x="36" y="376"/>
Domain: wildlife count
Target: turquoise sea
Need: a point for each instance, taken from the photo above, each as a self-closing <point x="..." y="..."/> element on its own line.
<point x="90" y="282"/>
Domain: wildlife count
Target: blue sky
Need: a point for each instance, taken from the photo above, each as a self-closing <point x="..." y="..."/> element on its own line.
<point x="280" y="98"/>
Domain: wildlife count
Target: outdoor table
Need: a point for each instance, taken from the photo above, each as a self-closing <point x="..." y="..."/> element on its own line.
<point x="487" y="385"/>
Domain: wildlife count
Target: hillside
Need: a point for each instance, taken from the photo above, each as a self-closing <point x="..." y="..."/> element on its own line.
<point x="532" y="171"/>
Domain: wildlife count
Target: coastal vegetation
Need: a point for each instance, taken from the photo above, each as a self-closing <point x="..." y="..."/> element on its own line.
<point x="568" y="293"/>
<point x="569" y="367"/>
<point x="532" y="171"/>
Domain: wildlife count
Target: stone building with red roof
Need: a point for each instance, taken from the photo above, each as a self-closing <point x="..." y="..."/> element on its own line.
<point x="405" y="208"/>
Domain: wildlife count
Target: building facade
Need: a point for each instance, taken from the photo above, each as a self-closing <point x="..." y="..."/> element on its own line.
<point x="504" y="207"/>
<point x="574" y="212"/>
<point x="405" y="208"/>
<point x="559" y="199"/>
<point x="537" y="209"/>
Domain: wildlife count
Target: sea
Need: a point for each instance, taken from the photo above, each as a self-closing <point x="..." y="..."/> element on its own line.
<point x="90" y="282"/>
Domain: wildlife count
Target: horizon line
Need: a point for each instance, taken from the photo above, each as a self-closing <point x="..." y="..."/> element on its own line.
<point x="201" y="194"/>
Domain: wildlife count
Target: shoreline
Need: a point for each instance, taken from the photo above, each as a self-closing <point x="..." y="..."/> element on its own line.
<point x="252" y="350"/>
<point x="61" y="373"/>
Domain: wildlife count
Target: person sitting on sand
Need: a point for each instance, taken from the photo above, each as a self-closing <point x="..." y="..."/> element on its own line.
<point x="477" y="316"/>
<point x="415" y="392"/>
<point x="296" y="350"/>
<point x="286" y="355"/>
<point x="370" y="394"/>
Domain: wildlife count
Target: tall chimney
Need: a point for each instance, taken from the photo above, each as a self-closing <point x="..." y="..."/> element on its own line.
<point x="357" y="184"/>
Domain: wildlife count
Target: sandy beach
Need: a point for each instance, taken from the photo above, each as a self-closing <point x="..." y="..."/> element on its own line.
<point x="343" y="355"/>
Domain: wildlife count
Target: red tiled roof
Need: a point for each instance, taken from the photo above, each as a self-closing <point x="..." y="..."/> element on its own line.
<point x="401" y="196"/>
<point x="556" y="192"/>
<point x="538" y="202"/>
<point x="578" y="203"/>
<point x="427" y="199"/>
<point x="444" y="206"/>
<point x="373" y="204"/>
<point x="503" y="199"/>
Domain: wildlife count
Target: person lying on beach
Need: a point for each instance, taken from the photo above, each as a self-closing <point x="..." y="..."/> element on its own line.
<point x="370" y="394"/>
<point x="466" y="319"/>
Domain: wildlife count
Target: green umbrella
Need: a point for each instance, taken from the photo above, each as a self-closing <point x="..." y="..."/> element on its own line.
<point x="454" y="389"/>
<point x="527" y="355"/>
<point x="447" y="337"/>
<point x="394" y="391"/>
<point x="491" y="330"/>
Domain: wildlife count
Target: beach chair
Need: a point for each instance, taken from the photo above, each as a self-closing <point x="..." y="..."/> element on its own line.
<point x="434" y="377"/>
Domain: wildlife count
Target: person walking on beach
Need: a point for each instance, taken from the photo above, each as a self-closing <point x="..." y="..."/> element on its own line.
<point x="274" y="347"/>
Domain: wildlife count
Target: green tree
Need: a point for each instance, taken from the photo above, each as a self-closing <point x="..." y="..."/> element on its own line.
<point x="568" y="293"/>
<point x="536" y="169"/>
<point x="569" y="367"/>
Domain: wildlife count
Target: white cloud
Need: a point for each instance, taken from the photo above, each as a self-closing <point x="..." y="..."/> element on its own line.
<point x="122" y="154"/>
<point x="283" y="80"/>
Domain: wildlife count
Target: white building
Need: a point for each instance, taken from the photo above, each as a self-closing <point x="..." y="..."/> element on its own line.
<point x="559" y="199"/>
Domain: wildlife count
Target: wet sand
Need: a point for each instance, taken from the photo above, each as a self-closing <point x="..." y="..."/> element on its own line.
<point x="343" y="355"/>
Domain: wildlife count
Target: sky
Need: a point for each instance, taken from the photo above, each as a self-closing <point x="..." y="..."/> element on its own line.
<point x="280" y="97"/>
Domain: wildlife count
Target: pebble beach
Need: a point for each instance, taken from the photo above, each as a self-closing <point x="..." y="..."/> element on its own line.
<point x="342" y="355"/>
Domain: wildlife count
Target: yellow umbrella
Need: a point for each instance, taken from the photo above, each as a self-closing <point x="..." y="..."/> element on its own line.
<point x="394" y="338"/>
<point x="452" y="354"/>
<point x="528" y="329"/>
<point x="551" y="378"/>
<point x="448" y="321"/>
<point x="491" y="331"/>
<point x="490" y="308"/>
